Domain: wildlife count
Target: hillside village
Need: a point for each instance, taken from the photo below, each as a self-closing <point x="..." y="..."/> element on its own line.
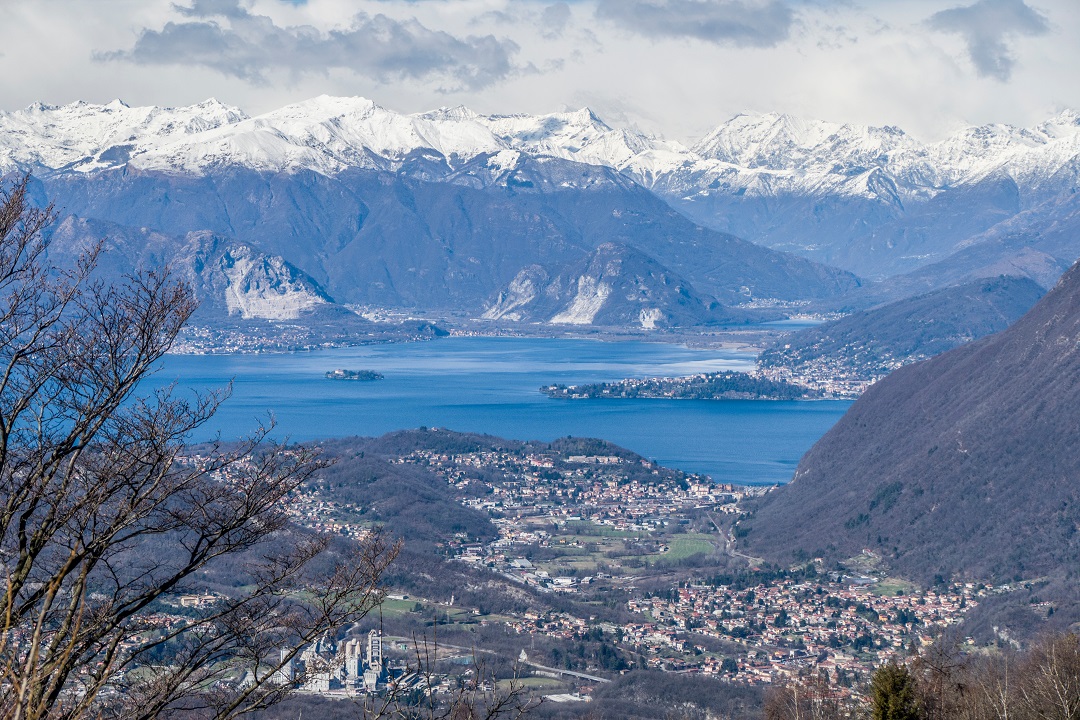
<point x="603" y="524"/>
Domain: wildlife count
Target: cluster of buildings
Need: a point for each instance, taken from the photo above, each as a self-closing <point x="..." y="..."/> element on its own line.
<point x="835" y="376"/>
<point x="210" y="340"/>
<point x="270" y="336"/>
<point x="603" y="489"/>
<point x="787" y="625"/>
<point x="351" y="666"/>
<point x="559" y="625"/>
<point x="774" y="631"/>
<point x="760" y="633"/>
<point x="307" y="505"/>
<point x="537" y="491"/>
<point x="310" y="509"/>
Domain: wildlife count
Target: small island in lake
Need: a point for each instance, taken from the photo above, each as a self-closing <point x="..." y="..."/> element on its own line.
<point x="725" y="385"/>
<point x="365" y="375"/>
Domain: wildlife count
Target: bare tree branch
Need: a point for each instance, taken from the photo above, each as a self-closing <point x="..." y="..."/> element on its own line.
<point x="106" y="512"/>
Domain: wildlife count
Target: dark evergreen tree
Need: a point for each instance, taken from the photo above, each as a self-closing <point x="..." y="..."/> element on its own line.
<point x="893" y="695"/>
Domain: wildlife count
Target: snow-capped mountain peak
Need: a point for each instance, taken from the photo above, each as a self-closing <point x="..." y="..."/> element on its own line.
<point x="756" y="154"/>
<point x="578" y="135"/>
<point x="326" y="134"/>
<point x="1064" y="124"/>
<point x="457" y="113"/>
<point x="51" y="136"/>
<point x="770" y="140"/>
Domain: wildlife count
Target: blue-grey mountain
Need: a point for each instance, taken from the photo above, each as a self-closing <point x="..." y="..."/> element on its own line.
<point x="445" y="210"/>
<point x="389" y="239"/>
<point x="615" y="285"/>
<point x="870" y="344"/>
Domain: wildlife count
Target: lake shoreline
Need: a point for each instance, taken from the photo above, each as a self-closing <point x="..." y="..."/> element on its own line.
<point x="745" y="339"/>
<point x="489" y="385"/>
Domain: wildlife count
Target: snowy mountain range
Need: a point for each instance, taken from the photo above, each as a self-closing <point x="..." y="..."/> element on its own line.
<point x="762" y="154"/>
<point x="469" y="202"/>
<point x="326" y="134"/>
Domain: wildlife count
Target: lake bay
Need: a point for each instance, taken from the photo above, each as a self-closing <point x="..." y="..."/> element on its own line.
<point x="490" y="385"/>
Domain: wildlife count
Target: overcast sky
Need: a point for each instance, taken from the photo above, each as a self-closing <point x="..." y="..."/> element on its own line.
<point x="676" y="68"/>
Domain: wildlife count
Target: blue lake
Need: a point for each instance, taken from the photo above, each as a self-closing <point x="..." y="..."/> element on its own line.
<point x="490" y="385"/>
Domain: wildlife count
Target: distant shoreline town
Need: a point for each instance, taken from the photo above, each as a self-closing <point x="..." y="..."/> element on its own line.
<point x="724" y="385"/>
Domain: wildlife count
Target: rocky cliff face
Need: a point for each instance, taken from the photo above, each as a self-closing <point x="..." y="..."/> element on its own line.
<point x="615" y="285"/>
<point x="230" y="279"/>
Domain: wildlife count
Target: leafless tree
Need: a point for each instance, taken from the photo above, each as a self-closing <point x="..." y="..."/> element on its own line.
<point x="1049" y="686"/>
<point x="106" y="512"/>
<point x="940" y="683"/>
<point x="804" y="698"/>
<point x="1039" y="683"/>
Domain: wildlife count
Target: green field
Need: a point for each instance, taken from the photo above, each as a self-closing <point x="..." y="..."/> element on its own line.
<point x="534" y="683"/>
<point x="397" y="608"/>
<point x="893" y="586"/>
<point x="584" y="530"/>
<point x="686" y="545"/>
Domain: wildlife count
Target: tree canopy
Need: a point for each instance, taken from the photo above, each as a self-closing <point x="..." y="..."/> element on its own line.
<point x="108" y="516"/>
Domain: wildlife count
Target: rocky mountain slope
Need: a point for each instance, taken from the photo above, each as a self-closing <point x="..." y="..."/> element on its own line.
<point x="385" y="208"/>
<point x="615" y="285"/>
<point x="964" y="464"/>
<point x="394" y="239"/>
<point x="231" y="279"/>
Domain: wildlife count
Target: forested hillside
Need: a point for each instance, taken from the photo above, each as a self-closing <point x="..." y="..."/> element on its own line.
<point x="964" y="464"/>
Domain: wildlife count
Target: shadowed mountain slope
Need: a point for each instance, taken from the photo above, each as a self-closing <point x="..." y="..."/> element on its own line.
<point x="1039" y="243"/>
<point x="871" y="343"/>
<point x="964" y="464"/>
<point x="396" y="240"/>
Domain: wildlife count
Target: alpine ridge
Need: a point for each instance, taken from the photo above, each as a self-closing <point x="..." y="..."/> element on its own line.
<point x="405" y="204"/>
<point x="759" y="154"/>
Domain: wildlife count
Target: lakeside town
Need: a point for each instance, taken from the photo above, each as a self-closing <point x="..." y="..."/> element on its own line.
<point x="830" y="376"/>
<point x="618" y="528"/>
<point x="843" y="623"/>
<point x="601" y="526"/>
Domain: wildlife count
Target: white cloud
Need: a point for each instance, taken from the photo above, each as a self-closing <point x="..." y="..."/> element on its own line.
<point x="226" y="37"/>
<point x="878" y="62"/>
<point x="986" y="27"/>
<point x="744" y="24"/>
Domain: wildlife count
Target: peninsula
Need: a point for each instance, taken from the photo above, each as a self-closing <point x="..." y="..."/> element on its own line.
<point x="724" y="385"/>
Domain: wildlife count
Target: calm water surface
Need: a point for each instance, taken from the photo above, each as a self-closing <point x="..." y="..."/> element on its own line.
<point x="490" y="385"/>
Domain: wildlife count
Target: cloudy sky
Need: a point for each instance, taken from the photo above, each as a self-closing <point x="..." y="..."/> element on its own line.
<point x="673" y="67"/>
